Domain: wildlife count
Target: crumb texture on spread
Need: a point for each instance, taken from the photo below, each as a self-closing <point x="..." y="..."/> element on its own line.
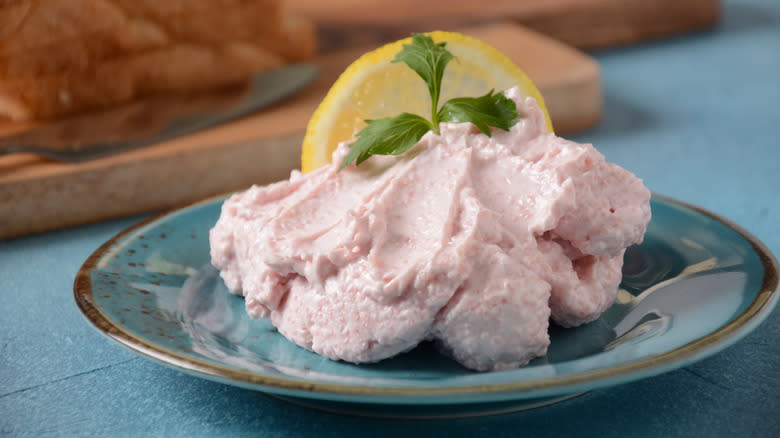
<point x="474" y="242"/>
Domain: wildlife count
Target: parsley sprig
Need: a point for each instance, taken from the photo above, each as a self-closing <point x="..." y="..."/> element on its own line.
<point x="396" y="135"/>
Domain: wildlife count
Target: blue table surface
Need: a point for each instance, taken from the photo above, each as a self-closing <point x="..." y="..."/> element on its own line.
<point x="696" y="117"/>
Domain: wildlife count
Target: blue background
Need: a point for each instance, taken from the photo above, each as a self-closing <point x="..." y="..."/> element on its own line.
<point x="695" y="117"/>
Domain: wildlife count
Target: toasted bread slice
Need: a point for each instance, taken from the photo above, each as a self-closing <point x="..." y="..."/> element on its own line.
<point x="62" y="56"/>
<point x="178" y="68"/>
<point x="79" y="53"/>
<point x="29" y="24"/>
<point x="55" y="38"/>
<point x="33" y="24"/>
<point x="297" y="42"/>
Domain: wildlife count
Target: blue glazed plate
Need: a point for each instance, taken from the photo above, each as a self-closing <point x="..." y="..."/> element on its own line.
<point x="695" y="286"/>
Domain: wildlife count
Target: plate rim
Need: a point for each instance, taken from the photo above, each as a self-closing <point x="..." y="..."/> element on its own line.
<point x="764" y="301"/>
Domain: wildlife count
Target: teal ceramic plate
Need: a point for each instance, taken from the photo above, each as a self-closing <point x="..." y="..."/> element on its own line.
<point x="695" y="286"/>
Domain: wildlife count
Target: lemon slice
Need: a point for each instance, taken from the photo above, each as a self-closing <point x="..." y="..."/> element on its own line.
<point x="373" y="87"/>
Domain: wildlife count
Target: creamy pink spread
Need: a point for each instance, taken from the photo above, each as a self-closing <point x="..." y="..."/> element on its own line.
<point x="472" y="241"/>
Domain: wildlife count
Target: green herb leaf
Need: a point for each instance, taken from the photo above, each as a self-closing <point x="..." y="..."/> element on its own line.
<point x="395" y="135"/>
<point x="387" y="136"/>
<point x="428" y="60"/>
<point x="489" y="110"/>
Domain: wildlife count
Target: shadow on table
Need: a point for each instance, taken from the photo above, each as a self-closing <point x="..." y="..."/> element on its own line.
<point x="741" y="17"/>
<point x="620" y="116"/>
<point x="623" y="116"/>
<point x="616" y="411"/>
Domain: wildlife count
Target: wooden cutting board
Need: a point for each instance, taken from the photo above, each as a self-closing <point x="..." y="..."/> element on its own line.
<point x="585" y="24"/>
<point x="38" y="195"/>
